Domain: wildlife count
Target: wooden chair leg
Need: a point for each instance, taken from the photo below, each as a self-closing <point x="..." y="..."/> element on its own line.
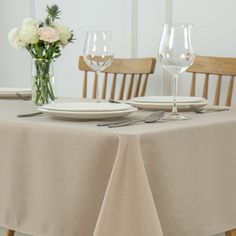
<point x="231" y="233"/>
<point x="10" y="232"/>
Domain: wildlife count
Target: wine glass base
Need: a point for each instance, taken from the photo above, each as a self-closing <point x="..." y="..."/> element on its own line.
<point x="177" y="116"/>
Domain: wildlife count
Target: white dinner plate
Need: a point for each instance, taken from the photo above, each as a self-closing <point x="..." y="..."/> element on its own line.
<point x="87" y="115"/>
<point x="167" y="99"/>
<point x="167" y="106"/>
<point x="86" y="106"/>
<point x="12" y="92"/>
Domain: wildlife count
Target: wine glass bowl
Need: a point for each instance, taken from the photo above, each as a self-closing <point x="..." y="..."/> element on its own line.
<point x="176" y="54"/>
<point x="98" y="53"/>
<point x="98" y="63"/>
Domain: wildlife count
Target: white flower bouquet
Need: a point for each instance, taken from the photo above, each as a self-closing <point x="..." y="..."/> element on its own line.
<point x="44" y="41"/>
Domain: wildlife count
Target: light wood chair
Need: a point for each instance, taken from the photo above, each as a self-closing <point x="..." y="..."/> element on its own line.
<point x="218" y="66"/>
<point x="133" y="72"/>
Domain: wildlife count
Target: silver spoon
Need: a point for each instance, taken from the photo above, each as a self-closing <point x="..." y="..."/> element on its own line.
<point x="151" y="118"/>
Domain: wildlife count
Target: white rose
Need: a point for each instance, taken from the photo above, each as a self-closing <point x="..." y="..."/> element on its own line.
<point x="49" y="34"/>
<point x="13" y="34"/>
<point x="15" y="38"/>
<point x="29" y="21"/>
<point x="30" y="33"/>
<point x="64" y="31"/>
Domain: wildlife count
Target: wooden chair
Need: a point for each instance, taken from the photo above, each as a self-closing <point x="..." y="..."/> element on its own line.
<point x="218" y="66"/>
<point x="131" y="71"/>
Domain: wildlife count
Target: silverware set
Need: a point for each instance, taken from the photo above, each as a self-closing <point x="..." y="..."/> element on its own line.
<point x="151" y="118"/>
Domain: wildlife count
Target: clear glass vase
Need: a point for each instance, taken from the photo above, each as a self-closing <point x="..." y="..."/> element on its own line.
<point x="43" y="91"/>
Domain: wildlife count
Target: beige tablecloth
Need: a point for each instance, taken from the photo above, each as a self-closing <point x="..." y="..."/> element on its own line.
<point x="65" y="178"/>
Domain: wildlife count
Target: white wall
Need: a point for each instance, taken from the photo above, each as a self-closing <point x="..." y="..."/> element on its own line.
<point x="151" y="17"/>
<point x="214" y="21"/>
<point x="215" y="24"/>
<point x="215" y="31"/>
<point x="83" y="15"/>
<point x="15" y="64"/>
<point x="80" y="15"/>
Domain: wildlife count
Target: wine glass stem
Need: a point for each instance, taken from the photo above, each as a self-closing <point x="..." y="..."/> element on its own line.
<point x="98" y="95"/>
<point x="174" y="109"/>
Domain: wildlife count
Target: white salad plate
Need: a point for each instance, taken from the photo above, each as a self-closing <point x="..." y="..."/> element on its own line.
<point x="167" y="106"/>
<point x="168" y="99"/>
<point x="89" y="115"/>
<point x="86" y="106"/>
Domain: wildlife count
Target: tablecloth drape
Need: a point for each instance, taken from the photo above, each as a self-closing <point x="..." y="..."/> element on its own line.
<point x="70" y="178"/>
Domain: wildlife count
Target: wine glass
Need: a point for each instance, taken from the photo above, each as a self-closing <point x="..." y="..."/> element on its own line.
<point x="98" y="54"/>
<point x="176" y="54"/>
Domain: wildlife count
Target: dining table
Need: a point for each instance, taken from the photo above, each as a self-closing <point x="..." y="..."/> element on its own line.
<point x="63" y="177"/>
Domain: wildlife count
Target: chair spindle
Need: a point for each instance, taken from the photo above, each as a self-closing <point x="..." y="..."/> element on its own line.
<point x="104" y="88"/>
<point x="122" y="89"/>
<point x="217" y="93"/>
<point x="193" y="85"/>
<point x="230" y="92"/>
<point x="206" y="85"/>
<point x="130" y="87"/>
<point x="85" y="85"/>
<point x="113" y="86"/>
<point x="95" y="84"/>
<point x="138" y="85"/>
<point x="144" y="87"/>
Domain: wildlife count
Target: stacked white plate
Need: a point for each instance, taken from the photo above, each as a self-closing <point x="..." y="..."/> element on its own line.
<point x="13" y="92"/>
<point x="87" y="110"/>
<point x="166" y="102"/>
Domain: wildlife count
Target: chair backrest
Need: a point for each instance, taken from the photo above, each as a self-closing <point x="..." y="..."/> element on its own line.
<point x="128" y="70"/>
<point x="218" y="66"/>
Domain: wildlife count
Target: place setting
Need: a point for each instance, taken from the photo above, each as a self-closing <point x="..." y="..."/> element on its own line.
<point x="166" y="102"/>
<point x="98" y="55"/>
<point x="87" y="110"/>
